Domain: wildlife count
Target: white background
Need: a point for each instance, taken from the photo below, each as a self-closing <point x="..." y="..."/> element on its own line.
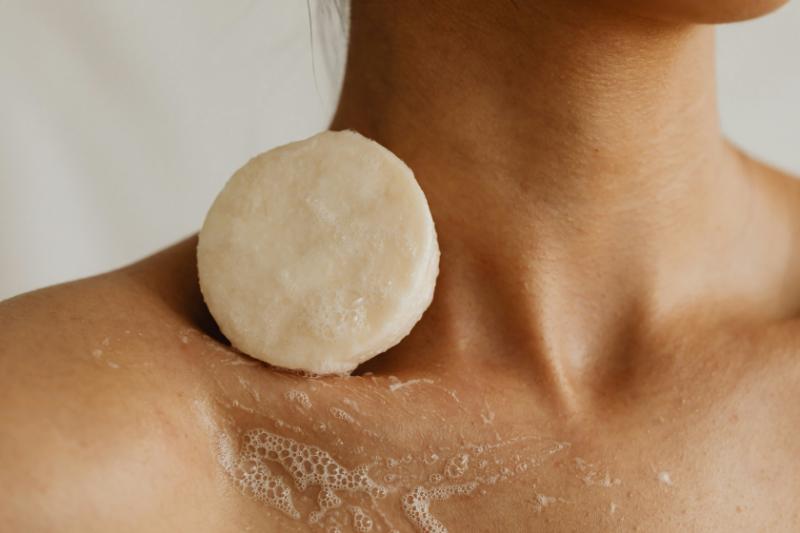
<point x="120" y="120"/>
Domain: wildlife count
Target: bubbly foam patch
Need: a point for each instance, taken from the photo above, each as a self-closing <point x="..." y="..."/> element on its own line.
<point x="253" y="476"/>
<point x="305" y="482"/>
<point x="457" y="466"/>
<point x="307" y="465"/>
<point x="465" y="470"/>
<point x="299" y="397"/>
<point x="362" y="522"/>
<point x="342" y="415"/>
<point x="417" y="503"/>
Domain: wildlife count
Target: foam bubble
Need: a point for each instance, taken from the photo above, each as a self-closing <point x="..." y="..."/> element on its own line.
<point x="253" y="476"/>
<point x="543" y="501"/>
<point x="308" y="466"/>
<point x="362" y="522"/>
<point x="416" y="504"/>
<point x="299" y="397"/>
<point x="341" y="414"/>
<point x="457" y="466"/>
<point x="430" y="459"/>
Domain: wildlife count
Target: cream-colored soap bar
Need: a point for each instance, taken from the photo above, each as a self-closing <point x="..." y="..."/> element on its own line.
<point x="319" y="254"/>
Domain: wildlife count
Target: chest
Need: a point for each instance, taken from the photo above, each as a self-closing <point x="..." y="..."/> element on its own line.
<point x="445" y="459"/>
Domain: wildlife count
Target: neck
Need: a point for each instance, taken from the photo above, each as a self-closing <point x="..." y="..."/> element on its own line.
<point x="610" y="105"/>
<point x="567" y="156"/>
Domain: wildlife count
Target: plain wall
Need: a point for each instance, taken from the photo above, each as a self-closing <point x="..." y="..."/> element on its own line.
<point x="120" y="120"/>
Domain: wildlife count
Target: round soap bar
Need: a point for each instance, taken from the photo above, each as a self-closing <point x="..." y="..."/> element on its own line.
<point x="319" y="254"/>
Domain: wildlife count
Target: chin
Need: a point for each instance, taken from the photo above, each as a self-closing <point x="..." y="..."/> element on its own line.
<point x="738" y="10"/>
<point x="702" y="11"/>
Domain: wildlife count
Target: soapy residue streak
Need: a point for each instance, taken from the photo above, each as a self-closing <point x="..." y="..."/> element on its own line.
<point x="543" y="501"/>
<point x="299" y="397"/>
<point x="460" y="473"/>
<point x="665" y="478"/>
<point x="397" y="384"/>
<point x="592" y="476"/>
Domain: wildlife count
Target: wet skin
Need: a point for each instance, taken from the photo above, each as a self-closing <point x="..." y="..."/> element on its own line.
<point x="117" y="392"/>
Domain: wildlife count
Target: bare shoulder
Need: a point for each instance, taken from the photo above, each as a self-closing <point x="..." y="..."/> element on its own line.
<point x="125" y="411"/>
<point x="92" y="396"/>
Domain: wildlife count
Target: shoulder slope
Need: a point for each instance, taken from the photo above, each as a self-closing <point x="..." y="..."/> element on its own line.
<point x="93" y="402"/>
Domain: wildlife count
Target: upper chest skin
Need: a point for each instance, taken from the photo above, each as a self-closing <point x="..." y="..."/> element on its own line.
<point x="709" y="448"/>
<point x="704" y="440"/>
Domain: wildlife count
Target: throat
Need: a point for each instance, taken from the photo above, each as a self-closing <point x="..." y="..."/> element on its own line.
<point x="573" y="163"/>
<point x="545" y="130"/>
<point x="560" y="107"/>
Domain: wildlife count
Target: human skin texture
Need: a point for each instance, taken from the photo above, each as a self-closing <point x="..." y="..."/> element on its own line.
<point x="612" y="344"/>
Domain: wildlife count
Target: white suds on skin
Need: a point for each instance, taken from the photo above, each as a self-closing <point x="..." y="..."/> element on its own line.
<point x="543" y="501"/>
<point x="299" y="397"/>
<point x="416" y="504"/>
<point x="457" y="465"/>
<point x="397" y="384"/>
<point x="430" y="459"/>
<point x="487" y="415"/>
<point x="204" y="415"/>
<point x="308" y="466"/>
<point x="362" y="522"/>
<point x="251" y="474"/>
<point x="592" y="477"/>
<point x="342" y="415"/>
<point x="265" y="462"/>
<point x="352" y="404"/>
<point x="665" y="478"/>
<point x="97" y="353"/>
